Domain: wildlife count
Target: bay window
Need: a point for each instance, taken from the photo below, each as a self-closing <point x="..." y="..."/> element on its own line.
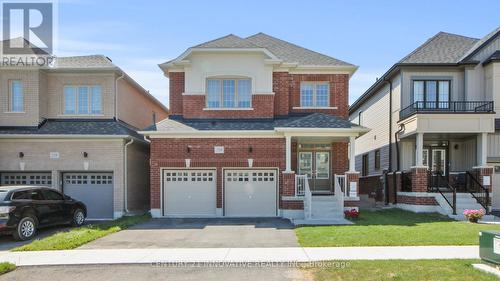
<point x="229" y="93"/>
<point x="82" y="100"/>
<point x="431" y="93"/>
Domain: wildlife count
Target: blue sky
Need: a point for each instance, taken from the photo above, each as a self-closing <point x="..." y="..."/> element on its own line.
<point x="138" y="35"/>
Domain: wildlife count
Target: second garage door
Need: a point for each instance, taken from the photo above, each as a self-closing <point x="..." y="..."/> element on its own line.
<point x="250" y="193"/>
<point x="189" y="193"/>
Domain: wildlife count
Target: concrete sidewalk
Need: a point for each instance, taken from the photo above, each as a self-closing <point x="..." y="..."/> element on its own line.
<point x="206" y="255"/>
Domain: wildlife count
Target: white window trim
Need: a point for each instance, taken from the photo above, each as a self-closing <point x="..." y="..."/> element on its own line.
<point x="314" y="84"/>
<point x="10" y="107"/>
<point x="221" y="94"/>
<point x="315" y="107"/>
<point x="89" y="87"/>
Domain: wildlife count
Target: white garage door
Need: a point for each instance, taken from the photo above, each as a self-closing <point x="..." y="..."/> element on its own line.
<point x="250" y="193"/>
<point x="95" y="190"/>
<point x="26" y="178"/>
<point x="189" y="193"/>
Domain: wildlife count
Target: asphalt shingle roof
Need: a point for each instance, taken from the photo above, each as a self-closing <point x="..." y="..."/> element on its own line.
<point x="312" y="120"/>
<point x="292" y="53"/>
<point x="283" y="50"/>
<point x="91" y="61"/>
<point x="228" y="41"/>
<point x="441" y="48"/>
<point x="75" y="127"/>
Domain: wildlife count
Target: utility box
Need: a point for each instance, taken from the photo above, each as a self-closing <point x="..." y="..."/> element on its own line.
<point x="489" y="246"/>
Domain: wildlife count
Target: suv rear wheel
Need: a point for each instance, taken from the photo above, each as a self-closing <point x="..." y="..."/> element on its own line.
<point x="26" y="229"/>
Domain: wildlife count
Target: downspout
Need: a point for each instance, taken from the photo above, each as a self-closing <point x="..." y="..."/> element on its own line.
<point x="116" y="94"/>
<point x="398" y="167"/>
<point x="386" y="187"/>
<point x="125" y="178"/>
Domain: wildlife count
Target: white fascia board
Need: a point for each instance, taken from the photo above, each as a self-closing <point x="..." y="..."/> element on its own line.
<point x="324" y="132"/>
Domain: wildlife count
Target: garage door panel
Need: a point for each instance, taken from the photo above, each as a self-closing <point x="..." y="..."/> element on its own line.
<point x="27" y="178"/>
<point x="95" y="190"/>
<point x="250" y="193"/>
<point x="189" y="192"/>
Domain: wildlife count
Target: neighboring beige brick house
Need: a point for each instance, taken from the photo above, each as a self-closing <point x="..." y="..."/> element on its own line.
<point x="73" y="126"/>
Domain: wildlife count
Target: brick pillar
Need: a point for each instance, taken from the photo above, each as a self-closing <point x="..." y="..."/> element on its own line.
<point x="352" y="177"/>
<point x="419" y="179"/>
<point x="352" y="202"/>
<point x="483" y="172"/>
<point x="288" y="184"/>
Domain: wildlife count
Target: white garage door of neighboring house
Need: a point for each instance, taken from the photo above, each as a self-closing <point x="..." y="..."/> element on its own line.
<point x="189" y="193"/>
<point x="95" y="190"/>
<point x="250" y="193"/>
<point x="26" y="178"/>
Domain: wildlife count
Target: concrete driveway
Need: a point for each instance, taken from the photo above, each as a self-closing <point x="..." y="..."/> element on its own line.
<point x="202" y="233"/>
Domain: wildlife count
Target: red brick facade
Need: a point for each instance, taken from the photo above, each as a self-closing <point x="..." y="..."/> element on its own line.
<point x="176" y="88"/>
<point x="286" y="98"/>
<point x="412" y="200"/>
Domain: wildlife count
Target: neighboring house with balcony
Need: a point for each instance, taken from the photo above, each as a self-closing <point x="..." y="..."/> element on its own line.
<point x="73" y="126"/>
<point x="439" y="104"/>
<point x="258" y="127"/>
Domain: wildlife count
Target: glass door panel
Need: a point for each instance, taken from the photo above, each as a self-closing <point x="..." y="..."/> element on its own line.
<point x="439" y="161"/>
<point x="322" y="165"/>
<point x="305" y="164"/>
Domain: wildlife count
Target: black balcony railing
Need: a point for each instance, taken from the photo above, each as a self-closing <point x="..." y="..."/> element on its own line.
<point x="446" y="107"/>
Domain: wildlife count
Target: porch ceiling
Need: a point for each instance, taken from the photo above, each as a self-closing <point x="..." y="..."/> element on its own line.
<point x="442" y="136"/>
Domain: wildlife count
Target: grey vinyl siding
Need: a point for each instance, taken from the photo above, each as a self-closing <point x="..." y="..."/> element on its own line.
<point x="384" y="161"/>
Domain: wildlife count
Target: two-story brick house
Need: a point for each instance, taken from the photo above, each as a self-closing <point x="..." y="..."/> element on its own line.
<point x="257" y="127"/>
<point x="73" y="126"/>
<point x="433" y="119"/>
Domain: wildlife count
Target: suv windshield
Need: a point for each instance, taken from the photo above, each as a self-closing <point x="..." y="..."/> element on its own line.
<point x="3" y="193"/>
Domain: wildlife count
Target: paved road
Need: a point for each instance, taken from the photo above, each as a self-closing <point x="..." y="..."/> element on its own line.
<point x="148" y="272"/>
<point x="201" y="233"/>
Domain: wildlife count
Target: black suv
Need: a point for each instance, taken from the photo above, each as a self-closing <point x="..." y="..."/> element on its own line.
<point x="24" y="209"/>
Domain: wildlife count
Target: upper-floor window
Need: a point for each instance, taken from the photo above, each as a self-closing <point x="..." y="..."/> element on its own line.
<point x="82" y="100"/>
<point x="314" y="94"/>
<point x="16" y="96"/>
<point x="229" y="93"/>
<point x="431" y="93"/>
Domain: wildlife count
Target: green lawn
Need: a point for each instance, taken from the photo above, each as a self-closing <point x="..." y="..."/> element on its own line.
<point x="76" y="237"/>
<point x="6" y="267"/>
<point x="394" y="227"/>
<point x="407" y="270"/>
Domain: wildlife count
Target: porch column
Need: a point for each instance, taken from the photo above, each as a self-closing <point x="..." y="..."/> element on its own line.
<point x="482" y="149"/>
<point x="352" y="154"/>
<point x="419" y="150"/>
<point x="288" y="154"/>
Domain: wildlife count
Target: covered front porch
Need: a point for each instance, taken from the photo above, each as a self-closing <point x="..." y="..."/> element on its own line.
<point x="445" y="170"/>
<point x="323" y="175"/>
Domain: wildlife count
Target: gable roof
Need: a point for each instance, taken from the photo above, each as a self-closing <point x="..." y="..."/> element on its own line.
<point x="280" y="49"/>
<point x="441" y="48"/>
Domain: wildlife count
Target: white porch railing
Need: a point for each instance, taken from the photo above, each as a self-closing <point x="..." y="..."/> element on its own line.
<point x="340" y="185"/>
<point x="302" y="189"/>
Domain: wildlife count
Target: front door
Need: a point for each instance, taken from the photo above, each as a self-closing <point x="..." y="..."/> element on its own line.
<point x="439" y="161"/>
<point x="316" y="165"/>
